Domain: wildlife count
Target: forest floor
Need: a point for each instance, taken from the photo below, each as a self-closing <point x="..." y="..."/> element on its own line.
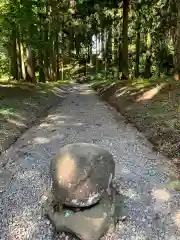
<point x="21" y="104"/>
<point x="153" y="106"/>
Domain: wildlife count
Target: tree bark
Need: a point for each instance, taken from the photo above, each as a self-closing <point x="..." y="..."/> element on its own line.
<point x="30" y="70"/>
<point x="148" y="64"/>
<point x="176" y="72"/>
<point x="30" y="63"/>
<point x="46" y="54"/>
<point x="14" y="55"/>
<point x="57" y="57"/>
<point x="138" y="28"/>
<point x="119" y="52"/>
<point x="23" y="70"/>
<point x="124" y="63"/>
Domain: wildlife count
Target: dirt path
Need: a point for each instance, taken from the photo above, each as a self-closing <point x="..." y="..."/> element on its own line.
<point x="153" y="212"/>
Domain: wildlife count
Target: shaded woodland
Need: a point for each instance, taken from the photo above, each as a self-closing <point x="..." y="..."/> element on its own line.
<point x="45" y="40"/>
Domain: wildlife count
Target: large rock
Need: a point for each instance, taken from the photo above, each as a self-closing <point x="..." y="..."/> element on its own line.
<point x="90" y="224"/>
<point x="81" y="173"/>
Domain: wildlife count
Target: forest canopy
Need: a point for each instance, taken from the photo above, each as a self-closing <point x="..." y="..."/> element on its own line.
<point x="40" y="39"/>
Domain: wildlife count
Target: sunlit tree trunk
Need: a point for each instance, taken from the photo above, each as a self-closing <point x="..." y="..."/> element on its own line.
<point x="23" y="70"/>
<point x="30" y="69"/>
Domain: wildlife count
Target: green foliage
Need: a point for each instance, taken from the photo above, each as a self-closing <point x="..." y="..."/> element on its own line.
<point x="57" y="30"/>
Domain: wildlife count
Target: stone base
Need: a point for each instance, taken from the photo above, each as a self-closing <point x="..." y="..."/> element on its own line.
<point x="87" y="224"/>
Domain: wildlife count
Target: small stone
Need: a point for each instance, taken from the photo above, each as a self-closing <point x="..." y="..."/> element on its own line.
<point x="47" y="222"/>
<point x="124" y="218"/>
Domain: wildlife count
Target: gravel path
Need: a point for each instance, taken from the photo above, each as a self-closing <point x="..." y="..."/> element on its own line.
<point x="152" y="212"/>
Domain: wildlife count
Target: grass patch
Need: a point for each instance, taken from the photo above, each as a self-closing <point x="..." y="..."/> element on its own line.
<point x="21" y="103"/>
<point x="153" y="105"/>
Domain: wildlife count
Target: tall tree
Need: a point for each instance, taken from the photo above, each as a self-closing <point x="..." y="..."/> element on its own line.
<point x="138" y="35"/>
<point x="124" y="58"/>
<point x="177" y="44"/>
<point x="13" y="40"/>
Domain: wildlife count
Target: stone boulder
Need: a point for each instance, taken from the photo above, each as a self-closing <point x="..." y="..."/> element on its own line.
<point x="90" y="224"/>
<point x="81" y="173"/>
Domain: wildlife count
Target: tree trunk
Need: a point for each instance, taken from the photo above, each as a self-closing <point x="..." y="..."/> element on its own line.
<point x="46" y="54"/>
<point x="30" y="62"/>
<point x="41" y="65"/>
<point x="109" y="45"/>
<point x="148" y="64"/>
<point x="41" y="70"/>
<point x="62" y="53"/>
<point x="30" y="70"/>
<point x="19" y="57"/>
<point x="124" y="58"/>
<point x="40" y="50"/>
<point x="113" y="42"/>
<point x="138" y="27"/>
<point x="13" y="44"/>
<point x="23" y="70"/>
<point x="52" y="58"/>
<point x="119" y="68"/>
<point x="96" y="53"/>
<point x="105" y="52"/>
<point x="54" y="61"/>
<point x="115" y="38"/>
<point x="14" y="55"/>
<point x="176" y="73"/>
<point x="57" y="57"/>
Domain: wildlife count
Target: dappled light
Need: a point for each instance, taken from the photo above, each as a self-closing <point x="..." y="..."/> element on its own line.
<point x="177" y="219"/>
<point x="152" y="105"/>
<point x="121" y="92"/>
<point x="56" y="117"/>
<point x="66" y="170"/>
<point x="148" y="95"/>
<point x="86" y="92"/>
<point x="21" y="104"/>
<point x="161" y="195"/>
<point x="53" y="56"/>
<point x="132" y="194"/>
<point x="125" y="171"/>
<point x="41" y="140"/>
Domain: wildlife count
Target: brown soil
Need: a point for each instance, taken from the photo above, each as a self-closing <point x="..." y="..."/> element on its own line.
<point x="21" y="105"/>
<point x="154" y="108"/>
